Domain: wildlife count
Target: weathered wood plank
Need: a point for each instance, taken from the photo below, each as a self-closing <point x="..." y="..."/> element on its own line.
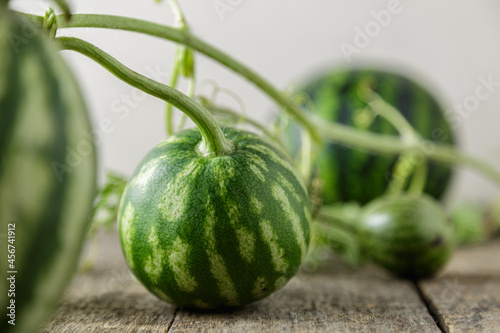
<point x="334" y="298"/>
<point x="109" y="299"/>
<point x="466" y="297"/>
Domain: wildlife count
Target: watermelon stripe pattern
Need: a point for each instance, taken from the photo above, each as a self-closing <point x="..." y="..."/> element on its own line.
<point x="42" y="118"/>
<point x="214" y="232"/>
<point x="351" y="174"/>
<point x="409" y="236"/>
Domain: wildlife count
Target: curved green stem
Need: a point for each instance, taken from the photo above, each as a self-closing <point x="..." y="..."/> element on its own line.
<point x="419" y="179"/>
<point x="391" y="114"/>
<point x="339" y="221"/>
<point x="168" y="112"/>
<point x="181" y="66"/>
<point x="214" y="142"/>
<point x="308" y="151"/>
<point x="410" y="162"/>
<point x="386" y="144"/>
<point x="337" y="236"/>
<point x="403" y="169"/>
<point x="190" y="93"/>
<point x="184" y="37"/>
<point x="178" y="13"/>
<point x="306" y="158"/>
<point x="236" y="117"/>
<point x="63" y="5"/>
<point x="318" y="128"/>
<point x="192" y="87"/>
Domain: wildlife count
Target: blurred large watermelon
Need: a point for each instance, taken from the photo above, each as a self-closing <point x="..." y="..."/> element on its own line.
<point x="350" y="174"/>
<point x="47" y="174"/>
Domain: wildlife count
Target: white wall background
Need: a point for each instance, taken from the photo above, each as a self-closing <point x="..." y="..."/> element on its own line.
<point x="450" y="43"/>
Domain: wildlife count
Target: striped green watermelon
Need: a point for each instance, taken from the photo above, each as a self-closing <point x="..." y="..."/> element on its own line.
<point x="214" y="232"/>
<point x="409" y="235"/>
<point x="47" y="173"/>
<point x="350" y="174"/>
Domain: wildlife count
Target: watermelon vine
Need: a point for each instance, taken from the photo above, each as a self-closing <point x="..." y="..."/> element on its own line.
<point x="214" y="142"/>
<point x="317" y="128"/>
<point x="407" y="233"/>
<point x="215" y="222"/>
<point x="410" y="144"/>
<point x="217" y="218"/>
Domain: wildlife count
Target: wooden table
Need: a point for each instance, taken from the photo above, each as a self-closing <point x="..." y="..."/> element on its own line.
<point x="464" y="298"/>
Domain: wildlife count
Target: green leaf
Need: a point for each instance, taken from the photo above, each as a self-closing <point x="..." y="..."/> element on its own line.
<point x="103" y="216"/>
<point x="185" y="61"/>
<point x="331" y="239"/>
<point x="107" y="203"/>
<point x="50" y="22"/>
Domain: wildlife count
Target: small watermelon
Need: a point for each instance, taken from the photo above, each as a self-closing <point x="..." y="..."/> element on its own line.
<point x="215" y="232"/>
<point x="47" y="174"/>
<point x="408" y="235"/>
<point x="351" y="174"/>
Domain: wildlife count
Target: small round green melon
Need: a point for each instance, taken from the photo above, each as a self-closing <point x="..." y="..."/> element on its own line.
<point x="214" y="232"/>
<point x="408" y="235"/>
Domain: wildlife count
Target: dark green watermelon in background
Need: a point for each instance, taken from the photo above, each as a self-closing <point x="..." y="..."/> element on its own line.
<point x="350" y="174"/>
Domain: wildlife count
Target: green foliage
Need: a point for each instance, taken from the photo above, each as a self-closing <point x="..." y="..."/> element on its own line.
<point x="185" y="61"/>
<point x="331" y="239"/>
<point x="107" y="203"/>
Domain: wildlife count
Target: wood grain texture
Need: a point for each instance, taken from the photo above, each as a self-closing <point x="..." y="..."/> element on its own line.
<point x="109" y="299"/>
<point x="466" y="296"/>
<point x="335" y="298"/>
<point x="328" y="301"/>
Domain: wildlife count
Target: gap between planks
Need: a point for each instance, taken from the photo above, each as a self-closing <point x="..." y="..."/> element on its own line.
<point x="176" y="311"/>
<point x="333" y="299"/>
<point x="431" y="309"/>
